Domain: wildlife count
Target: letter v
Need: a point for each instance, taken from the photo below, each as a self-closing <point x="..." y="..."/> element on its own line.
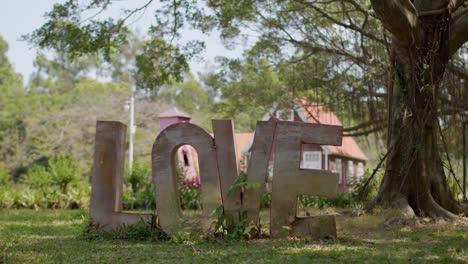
<point x="257" y="171"/>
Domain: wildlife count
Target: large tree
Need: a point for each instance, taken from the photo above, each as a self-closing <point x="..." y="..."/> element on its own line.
<point x="396" y="73"/>
<point x="425" y="35"/>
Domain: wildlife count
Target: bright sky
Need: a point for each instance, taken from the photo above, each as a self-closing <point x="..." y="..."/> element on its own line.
<point x="19" y="17"/>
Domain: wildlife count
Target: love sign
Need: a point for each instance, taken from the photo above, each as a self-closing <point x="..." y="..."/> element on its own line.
<point x="218" y="171"/>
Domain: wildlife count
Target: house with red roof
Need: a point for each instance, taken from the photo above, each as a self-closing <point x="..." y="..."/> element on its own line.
<point x="348" y="160"/>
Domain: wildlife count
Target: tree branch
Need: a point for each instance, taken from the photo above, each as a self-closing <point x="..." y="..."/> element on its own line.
<point x="318" y="49"/>
<point x="398" y="17"/>
<point x="366" y="132"/>
<point x="458" y="31"/>
<point x="339" y="23"/>
<point x="364" y="125"/>
<point x="455" y="4"/>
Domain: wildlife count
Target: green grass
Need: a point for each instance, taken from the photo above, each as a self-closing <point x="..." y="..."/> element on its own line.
<point x="28" y="236"/>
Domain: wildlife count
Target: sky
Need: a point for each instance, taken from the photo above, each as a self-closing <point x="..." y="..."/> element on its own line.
<point x="19" y="17"/>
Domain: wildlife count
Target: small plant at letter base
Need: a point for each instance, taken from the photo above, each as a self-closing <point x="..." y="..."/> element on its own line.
<point x="242" y="229"/>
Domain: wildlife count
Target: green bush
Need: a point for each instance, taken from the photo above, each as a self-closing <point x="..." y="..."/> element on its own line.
<point x="372" y="187"/>
<point x="24" y="197"/>
<point x="190" y="198"/>
<point x="5" y="178"/>
<point x="344" y="199"/>
<point x="140" y="194"/>
<point x="63" y="171"/>
<point x="143" y="199"/>
<point x="266" y="200"/>
<point x="6" y="200"/>
<point x="139" y="177"/>
<point x="38" y="178"/>
<point x="53" y="185"/>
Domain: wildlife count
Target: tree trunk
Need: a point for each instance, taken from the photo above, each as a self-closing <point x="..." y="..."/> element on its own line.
<point x="414" y="179"/>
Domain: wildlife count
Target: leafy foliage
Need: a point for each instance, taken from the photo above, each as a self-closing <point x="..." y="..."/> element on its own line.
<point x="343" y="200"/>
<point x="38" y="178"/>
<point x="60" y="73"/>
<point x="266" y="200"/>
<point x="139" y="176"/>
<point x="5" y="177"/>
<point x="23" y="196"/>
<point x="189" y="96"/>
<point x="63" y="171"/>
<point x="60" y="172"/>
<point x="190" y="198"/>
<point x="239" y="228"/>
<point x="160" y="63"/>
<point x="11" y="83"/>
<point x="69" y="31"/>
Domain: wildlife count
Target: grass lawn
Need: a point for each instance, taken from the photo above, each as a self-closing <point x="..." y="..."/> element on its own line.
<point x="28" y="236"/>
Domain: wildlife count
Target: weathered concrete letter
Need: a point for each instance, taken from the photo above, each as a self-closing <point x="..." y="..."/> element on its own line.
<point x="257" y="171"/>
<point x="289" y="180"/>
<point x="164" y="174"/>
<point x="226" y="155"/>
<point x="107" y="178"/>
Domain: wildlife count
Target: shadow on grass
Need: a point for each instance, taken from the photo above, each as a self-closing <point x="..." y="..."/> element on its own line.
<point x="56" y="236"/>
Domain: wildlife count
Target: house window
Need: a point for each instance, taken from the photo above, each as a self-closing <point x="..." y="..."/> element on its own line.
<point x="312" y="160"/>
<point x="360" y="170"/>
<point x="270" y="171"/>
<point x="339" y="170"/>
<point x="350" y="172"/>
<point x="285" y="115"/>
<point x="186" y="160"/>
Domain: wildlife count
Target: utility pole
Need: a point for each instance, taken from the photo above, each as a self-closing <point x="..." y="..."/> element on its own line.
<point x="132" y="128"/>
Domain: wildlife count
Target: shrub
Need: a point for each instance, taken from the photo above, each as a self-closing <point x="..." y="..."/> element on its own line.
<point x="266" y="200"/>
<point x="143" y="199"/>
<point x="372" y="187"/>
<point x="243" y="228"/>
<point x="48" y="186"/>
<point x="5" y="178"/>
<point x="189" y="191"/>
<point x="140" y="194"/>
<point x="189" y="195"/>
<point x="5" y="198"/>
<point x="60" y="172"/>
<point x="38" y="178"/>
<point x="190" y="198"/>
<point x="139" y="177"/>
<point x="344" y="199"/>
<point x="63" y="171"/>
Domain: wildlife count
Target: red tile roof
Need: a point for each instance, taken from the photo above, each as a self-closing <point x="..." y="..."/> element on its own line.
<point x="318" y="114"/>
<point x="242" y="139"/>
